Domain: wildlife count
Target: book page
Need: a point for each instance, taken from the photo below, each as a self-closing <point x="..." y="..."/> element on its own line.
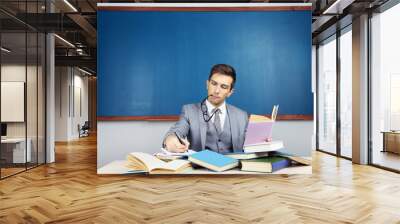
<point x="150" y="162"/>
<point x="271" y="143"/>
<point x="274" y="112"/>
<point x="254" y="118"/>
<point x="187" y="153"/>
<point x="174" y="165"/>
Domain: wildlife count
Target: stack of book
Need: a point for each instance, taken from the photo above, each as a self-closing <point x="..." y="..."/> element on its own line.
<point x="259" y="151"/>
<point x="259" y="134"/>
<point x="265" y="162"/>
<point x="254" y="162"/>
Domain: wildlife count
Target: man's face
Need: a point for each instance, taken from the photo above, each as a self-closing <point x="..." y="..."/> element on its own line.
<point x="219" y="88"/>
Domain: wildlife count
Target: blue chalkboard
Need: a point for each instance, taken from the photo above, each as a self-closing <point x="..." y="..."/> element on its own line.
<point x="151" y="63"/>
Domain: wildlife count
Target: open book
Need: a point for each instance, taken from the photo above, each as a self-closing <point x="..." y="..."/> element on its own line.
<point x="151" y="164"/>
<point x="259" y="129"/>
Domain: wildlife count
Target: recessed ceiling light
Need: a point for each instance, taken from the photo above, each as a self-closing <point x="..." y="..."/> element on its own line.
<point x="5" y="50"/>
<point x="70" y="5"/>
<point x="65" y="41"/>
<point x="84" y="71"/>
<point x="337" y="7"/>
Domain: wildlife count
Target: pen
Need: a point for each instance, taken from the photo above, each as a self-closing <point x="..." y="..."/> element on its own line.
<point x="180" y="140"/>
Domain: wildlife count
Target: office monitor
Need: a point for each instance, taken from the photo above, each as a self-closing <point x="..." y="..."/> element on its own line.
<point x="3" y="129"/>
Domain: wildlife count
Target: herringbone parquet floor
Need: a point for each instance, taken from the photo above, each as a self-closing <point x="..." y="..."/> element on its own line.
<point x="70" y="191"/>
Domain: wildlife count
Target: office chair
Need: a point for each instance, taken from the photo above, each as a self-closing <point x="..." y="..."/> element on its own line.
<point x="84" y="130"/>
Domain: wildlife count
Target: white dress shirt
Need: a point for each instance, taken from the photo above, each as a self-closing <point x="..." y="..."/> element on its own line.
<point x="222" y="115"/>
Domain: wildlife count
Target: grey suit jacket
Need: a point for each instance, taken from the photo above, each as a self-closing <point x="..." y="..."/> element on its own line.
<point x="192" y="125"/>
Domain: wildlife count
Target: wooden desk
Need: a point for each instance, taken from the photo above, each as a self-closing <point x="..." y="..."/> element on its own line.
<point x="119" y="167"/>
<point x="391" y="141"/>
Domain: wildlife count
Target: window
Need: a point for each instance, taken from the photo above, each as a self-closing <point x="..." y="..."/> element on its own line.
<point x="346" y="92"/>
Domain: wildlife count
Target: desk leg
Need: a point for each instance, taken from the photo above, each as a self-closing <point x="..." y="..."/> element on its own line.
<point x="384" y="143"/>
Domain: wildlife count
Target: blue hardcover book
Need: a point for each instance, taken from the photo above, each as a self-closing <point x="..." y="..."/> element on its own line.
<point x="213" y="161"/>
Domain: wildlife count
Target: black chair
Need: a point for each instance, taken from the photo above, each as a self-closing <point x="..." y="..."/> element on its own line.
<point x="84" y="130"/>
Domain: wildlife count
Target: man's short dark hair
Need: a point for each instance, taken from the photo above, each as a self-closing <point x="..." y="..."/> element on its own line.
<point x="224" y="69"/>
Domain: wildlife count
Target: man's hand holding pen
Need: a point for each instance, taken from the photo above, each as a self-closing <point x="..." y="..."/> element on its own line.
<point x="174" y="143"/>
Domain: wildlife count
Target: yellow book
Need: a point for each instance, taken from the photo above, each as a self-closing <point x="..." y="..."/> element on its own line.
<point x="153" y="165"/>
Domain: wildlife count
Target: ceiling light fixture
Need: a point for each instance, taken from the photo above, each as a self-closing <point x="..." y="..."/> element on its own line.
<point x="337" y="7"/>
<point x="5" y="50"/>
<point x="70" y="5"/>
<point x="65" y="41"/>
<point x="84" y="71"/>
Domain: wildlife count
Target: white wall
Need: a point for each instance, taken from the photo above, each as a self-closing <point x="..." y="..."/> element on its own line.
<point x="70" y="88"/>
<point x="14" y="73"/>
<point x="17" y="72"/>
<point x="115" y="139"/>
<point x="61" y="103"/>
<point x="79" y="117"/>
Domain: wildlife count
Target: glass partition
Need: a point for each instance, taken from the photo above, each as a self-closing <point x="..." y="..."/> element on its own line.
<point x="22" y="77"/>
<point x="327" y="95"/>
<point x="385" y="89"/>
<point x="13" y="108"/>
<point x="32" y="83"/>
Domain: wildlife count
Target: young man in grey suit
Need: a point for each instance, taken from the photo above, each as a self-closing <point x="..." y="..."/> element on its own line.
<point x="212" y="124"/>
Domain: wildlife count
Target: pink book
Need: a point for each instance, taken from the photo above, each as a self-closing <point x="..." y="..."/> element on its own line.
<point x="258" y="133"/>
<point x="259" y="129"/>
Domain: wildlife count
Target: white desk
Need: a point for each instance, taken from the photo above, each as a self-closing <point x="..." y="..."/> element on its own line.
<point x="18" y="150"/>
<point x="119" y="167"/>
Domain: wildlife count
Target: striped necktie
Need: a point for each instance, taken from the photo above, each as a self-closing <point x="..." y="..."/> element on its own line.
<point x="217" y="120"/>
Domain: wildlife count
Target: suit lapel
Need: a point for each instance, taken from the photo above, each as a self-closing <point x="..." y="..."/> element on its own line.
<point x="203" y="128"/>
<point x="234" y="127"/>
